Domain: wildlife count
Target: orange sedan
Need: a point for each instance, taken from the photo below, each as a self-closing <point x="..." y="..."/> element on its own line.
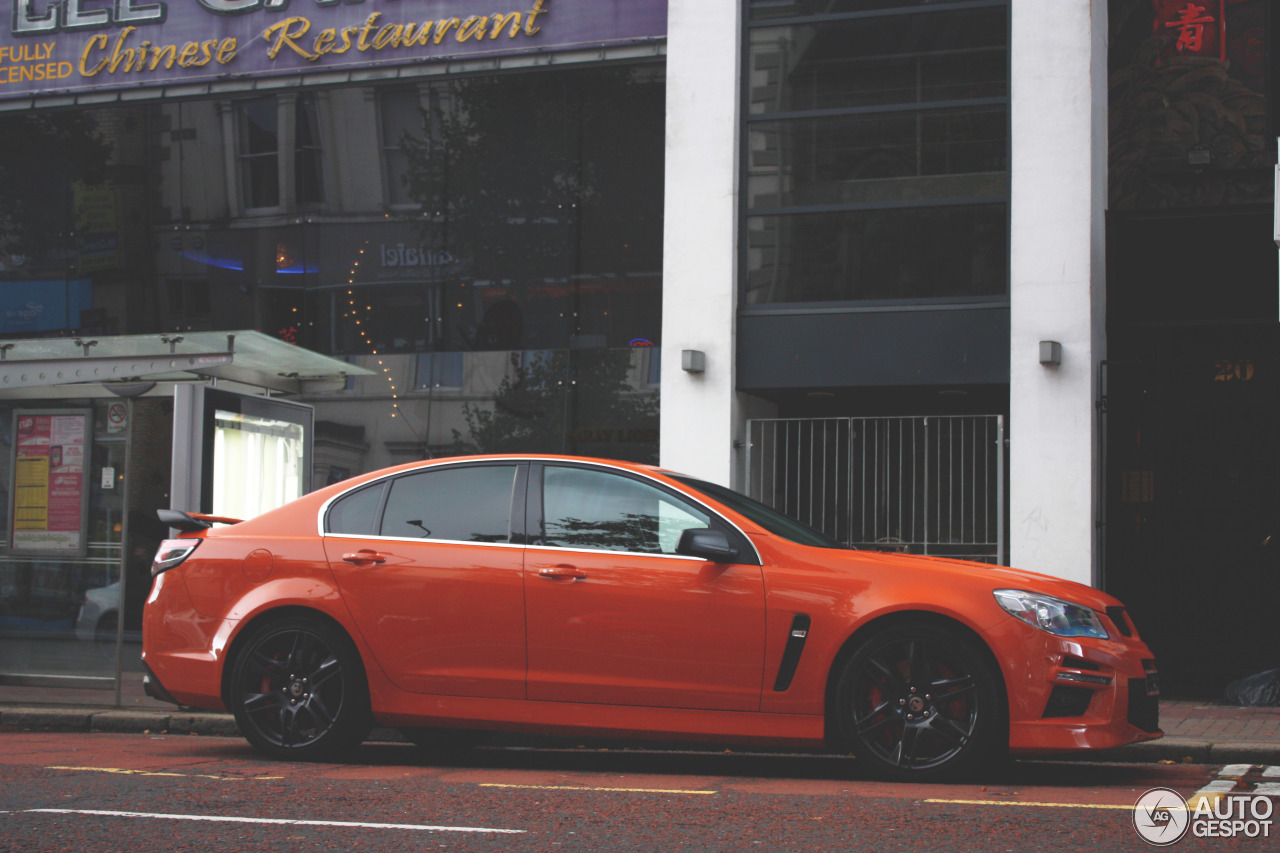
<point x="592" y="597"/>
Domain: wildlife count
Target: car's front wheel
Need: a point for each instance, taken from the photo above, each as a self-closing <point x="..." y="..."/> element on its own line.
<point x="298" y="690"/>
<point x="918" y="701"/>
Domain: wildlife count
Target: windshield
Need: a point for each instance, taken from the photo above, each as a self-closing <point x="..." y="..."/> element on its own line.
<point x="767" y="517"/>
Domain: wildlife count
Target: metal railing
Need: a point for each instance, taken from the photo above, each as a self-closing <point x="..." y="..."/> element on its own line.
<point x="925" y="485"/>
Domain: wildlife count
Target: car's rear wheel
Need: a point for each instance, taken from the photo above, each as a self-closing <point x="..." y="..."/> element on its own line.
<point x="918" y="701"/>
<point x="298" y="690"/>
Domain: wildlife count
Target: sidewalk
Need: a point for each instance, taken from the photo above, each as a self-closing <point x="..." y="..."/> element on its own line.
<point x="1196" y="732"/>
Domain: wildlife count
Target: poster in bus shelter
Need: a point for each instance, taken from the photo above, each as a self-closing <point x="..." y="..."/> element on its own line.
<point x="49" y="488"/>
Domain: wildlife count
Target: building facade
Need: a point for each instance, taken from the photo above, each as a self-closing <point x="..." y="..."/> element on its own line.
<point x="990" y="278"/>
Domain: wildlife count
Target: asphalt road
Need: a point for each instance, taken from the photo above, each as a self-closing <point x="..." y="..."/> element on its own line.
<point x="142" y="793"/>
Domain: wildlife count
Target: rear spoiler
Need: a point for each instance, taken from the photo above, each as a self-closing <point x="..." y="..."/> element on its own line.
<point x="192" y="522"/>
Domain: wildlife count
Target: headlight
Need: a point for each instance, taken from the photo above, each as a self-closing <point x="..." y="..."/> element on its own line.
<point x="1058" y="617"/>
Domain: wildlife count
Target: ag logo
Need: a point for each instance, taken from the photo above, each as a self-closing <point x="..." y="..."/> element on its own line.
<point x="1161" y="816"/>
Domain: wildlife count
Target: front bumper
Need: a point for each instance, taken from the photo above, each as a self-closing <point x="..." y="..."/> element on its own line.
<point x="1079" y="693"/>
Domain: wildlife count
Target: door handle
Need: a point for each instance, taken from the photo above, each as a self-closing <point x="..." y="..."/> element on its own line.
<point x="563" y="573"/>
<point x="364" y="558"/>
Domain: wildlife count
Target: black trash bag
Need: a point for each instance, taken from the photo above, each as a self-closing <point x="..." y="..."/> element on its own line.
<point x="1260" y="689"/>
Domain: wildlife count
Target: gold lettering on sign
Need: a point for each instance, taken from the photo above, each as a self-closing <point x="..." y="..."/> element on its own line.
<point x="125" y="52"/>
<point x="293" y="33"/>
<point x="145" y="56"/>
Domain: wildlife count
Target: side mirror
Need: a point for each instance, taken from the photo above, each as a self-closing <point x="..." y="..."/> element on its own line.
<point x="706" y="544"/>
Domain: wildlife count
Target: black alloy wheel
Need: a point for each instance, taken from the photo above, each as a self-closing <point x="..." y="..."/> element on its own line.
<point x="921" y="702"/>
<point x="298" y="690"/>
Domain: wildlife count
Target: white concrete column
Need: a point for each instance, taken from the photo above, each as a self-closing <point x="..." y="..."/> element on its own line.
<point x="1057" y="288"/>
<point x="700" y="417"/>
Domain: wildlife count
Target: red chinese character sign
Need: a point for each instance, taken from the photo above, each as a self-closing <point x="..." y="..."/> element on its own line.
<point x="1198" y="27"/>
<point x="49" y="495"/>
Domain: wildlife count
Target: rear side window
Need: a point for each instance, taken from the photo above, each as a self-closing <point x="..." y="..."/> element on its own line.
<point x="356" y="513"/>
<point x="470" y="504"/>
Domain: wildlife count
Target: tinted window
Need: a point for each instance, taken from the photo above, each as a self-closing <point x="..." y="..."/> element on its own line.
<point x="470" y="504"/>
<point x="355" y="513"/>
<point x="609" y="512"/>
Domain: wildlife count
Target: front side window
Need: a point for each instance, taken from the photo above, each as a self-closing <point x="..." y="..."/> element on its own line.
<point x="467" y="504"/>
<point x="603" y="511"/>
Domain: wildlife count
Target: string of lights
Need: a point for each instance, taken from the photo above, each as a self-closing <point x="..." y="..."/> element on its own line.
<point x="353" y="313"/>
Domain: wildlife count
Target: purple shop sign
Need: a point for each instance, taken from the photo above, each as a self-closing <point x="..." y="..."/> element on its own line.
<point x="56" y="47"/>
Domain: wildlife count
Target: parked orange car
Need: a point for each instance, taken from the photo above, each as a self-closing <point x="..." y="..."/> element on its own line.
<point x="591" y="597"/>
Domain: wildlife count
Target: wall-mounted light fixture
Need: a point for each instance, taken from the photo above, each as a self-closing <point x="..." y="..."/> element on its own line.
<point x="1050" y="353"/>
<point x="693" y="361"/>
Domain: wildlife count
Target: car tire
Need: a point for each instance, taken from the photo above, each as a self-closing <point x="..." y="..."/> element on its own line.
<point x="440" y="743"/>
<point x="298" y="690"/>
<point x="921" y="702"/>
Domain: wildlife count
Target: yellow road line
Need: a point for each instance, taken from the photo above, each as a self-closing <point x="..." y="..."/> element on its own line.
<point x="1031" y="804"/>
<point x="589" y="788"/>
<point x="126" y="772"/>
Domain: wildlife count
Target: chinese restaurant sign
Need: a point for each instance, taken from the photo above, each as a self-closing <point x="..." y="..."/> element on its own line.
<point x="61" y="46"/>
<point x="1197" y="27"/>
<point x="49" y="495"/>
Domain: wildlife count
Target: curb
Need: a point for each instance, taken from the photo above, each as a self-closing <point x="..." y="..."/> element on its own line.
<point x="1180" y="750"/>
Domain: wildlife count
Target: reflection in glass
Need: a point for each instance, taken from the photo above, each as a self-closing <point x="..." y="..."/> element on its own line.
<point x="471" y="504"/>
<point x="877" y="156"/>
<point x="879" y="61"/>
<point x="259" y="143"/>
<point x="609" y="512"/>
<point x="907" y="253"/>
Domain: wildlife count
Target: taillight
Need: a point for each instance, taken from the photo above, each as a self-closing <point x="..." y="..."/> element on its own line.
<point x="171" y="553"/>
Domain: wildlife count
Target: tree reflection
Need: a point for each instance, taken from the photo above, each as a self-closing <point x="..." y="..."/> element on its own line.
<point x="632" y="532"/>
<point x="568" y="402"/>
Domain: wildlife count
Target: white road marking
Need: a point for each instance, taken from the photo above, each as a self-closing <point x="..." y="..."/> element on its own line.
<point x="1268" y="789"/>
<point x="1221" y="786"/>
<point x="273" y="821"/>
<point x="1235" y="771"/>
<point x="1272" y="771"/>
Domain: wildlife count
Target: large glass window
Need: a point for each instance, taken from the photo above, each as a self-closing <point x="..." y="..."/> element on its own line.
<point x="877" y="151"/>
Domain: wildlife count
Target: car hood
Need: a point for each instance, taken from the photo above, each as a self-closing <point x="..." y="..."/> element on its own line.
<point x="949" y="571"/>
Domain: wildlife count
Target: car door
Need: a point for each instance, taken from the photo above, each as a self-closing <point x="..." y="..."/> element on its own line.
<point x="430" y="568"/>
<point x="615" y="616"/>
